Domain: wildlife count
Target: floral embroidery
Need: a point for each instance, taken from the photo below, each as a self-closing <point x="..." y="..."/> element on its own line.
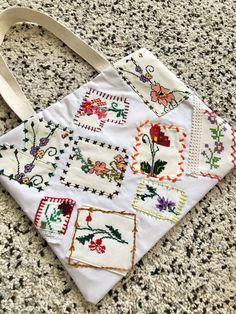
<point x="103" y="239"/>
<point x="159" y="201"/>
<point x="98" y="108"/>
<point x="53" y="216"/>
<point x="158" y="151"/>
<point x="212" y="145"/>
<point x="103" y="233"/>
<point x="100" y="173"/>
<point x="211" y="154"/>
<point x="113" y="173"/>
<point x="147" y="76"/>
<point x="163" y="203"/>
<point x="34" y="165"/>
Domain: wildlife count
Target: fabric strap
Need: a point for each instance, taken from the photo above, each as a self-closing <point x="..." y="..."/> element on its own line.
<point x="9" y="88"/>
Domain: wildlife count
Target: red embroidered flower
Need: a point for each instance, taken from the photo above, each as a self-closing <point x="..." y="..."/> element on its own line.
<point x="99" y="168"/>
<point x="88" y="108"/>
<point x="97" y="246"/>
<point x="161" y="94"/>
<point x="89" y="218"/>
<point x="101" y="114"/>
<point x="66" y="208"/>
<point x="158" y="136"/>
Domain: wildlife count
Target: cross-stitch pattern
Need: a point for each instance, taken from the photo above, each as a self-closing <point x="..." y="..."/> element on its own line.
<point x="53" y="215"/>
<point x="34" y="165"/>
<point x="103" y="239"/>
<point x="158" y="200"/>
<point x="215" y="154"/>
<point x="98" y="108"/>
<point x="96" y="167"/>
<point x="148" y="77"/>
<point x="159" y="151"/>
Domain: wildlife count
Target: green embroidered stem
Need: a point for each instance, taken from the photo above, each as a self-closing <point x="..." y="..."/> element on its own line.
<point x="115" y="108"/>
<point x="18" y="162"/>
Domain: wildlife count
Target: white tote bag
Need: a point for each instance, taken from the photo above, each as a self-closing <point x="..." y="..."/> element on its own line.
<point x="105" y="172"/>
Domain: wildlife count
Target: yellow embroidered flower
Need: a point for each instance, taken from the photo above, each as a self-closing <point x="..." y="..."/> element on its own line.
<point x="40" y="154"/>
<point x="25" y="180"/>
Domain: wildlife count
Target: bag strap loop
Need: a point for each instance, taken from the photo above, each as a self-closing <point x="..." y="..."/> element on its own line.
<point x="9" y="88"/>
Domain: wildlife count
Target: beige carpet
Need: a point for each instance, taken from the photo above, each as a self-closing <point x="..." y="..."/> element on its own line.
<point x="192" y="269"/>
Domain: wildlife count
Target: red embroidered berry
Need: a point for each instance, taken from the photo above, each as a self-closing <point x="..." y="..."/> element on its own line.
<point x="99" y="241"/>
<point x="89" y="218"/>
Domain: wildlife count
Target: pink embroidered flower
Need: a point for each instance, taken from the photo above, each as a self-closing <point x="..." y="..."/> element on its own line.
<point x="89" y="218"/>
<point x="99" y="168"/>
<point x="161" y="94"/>
<point x="97" y="246"/>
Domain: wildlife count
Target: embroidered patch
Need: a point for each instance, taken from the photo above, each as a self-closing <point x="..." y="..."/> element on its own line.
<point x="98" y="108"/>
<point x="212" y="146"/>
<point x="45" y="140"/>
<point x="52" y="217"/>
<point x="34" y="165"/>
<point x="96" y="167"/>
<point x="160" y="201"/>
<point x="160" y="89"/>
<point x="103" y="239"/>
<point x="159" y="151"/>
<point x="23" y="168"/>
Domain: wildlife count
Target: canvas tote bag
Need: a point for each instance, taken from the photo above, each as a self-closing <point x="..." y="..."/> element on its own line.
<point x="105" y="172"/>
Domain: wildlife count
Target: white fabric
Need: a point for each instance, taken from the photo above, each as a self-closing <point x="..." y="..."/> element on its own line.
<point x="93" y="283"/>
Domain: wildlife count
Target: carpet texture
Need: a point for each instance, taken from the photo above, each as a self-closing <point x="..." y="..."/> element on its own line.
<point x="192" y="269"/>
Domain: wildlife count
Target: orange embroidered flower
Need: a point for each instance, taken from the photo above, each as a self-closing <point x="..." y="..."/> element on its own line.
<point x="65" y="134"/>
<point x="97" y="246"/>
<point x="119" y="158"/>
<point x="161" y="94"/>
<point x="99" y="168"/>
<point x="121" y="166"/>
<point x="40" y="154"/>
<point x="25" y="180"/>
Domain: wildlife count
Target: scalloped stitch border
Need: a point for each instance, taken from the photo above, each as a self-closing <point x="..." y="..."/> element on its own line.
<point x="85" y="188"/>
<point x="103" y="121"/>
<point x="92" y="209"/>
<point x="53" y="199"/>
<point x="181" y="202"/>
<point x="138" y="143"/>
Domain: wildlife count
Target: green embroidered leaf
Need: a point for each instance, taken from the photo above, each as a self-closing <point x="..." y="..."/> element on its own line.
<point x="159" y="166"/>
<point x="145" y="166"/>
<point x="1" y="171"/>
<point x="151" y="189"/>
<point x="11" y="177"/>
<point x="214" y="132"/>
<point x="114" y="232"/>
<point x="86" y="238"/>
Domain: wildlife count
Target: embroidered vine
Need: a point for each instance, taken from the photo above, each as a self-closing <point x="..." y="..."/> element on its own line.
<point x="113" y="171"/>
<point x="163" y="203"/>
<point x="157" y="137"/>
<point x="100" y="108"/>
<point x="109" y="232"/>
<point x="158" y="93"/>
<point x="29" y="167"/>
<point x="211" y="153"/>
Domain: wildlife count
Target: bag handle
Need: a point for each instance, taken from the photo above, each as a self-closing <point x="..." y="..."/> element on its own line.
<point x="9" y="88"/>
